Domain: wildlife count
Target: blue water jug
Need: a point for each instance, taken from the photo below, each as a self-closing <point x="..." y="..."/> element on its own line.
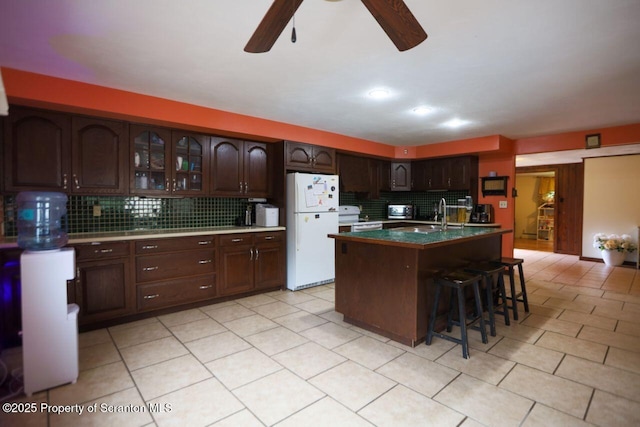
<point x="39" y="220"/>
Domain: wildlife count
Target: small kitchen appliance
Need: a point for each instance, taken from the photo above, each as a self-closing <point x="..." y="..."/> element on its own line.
<point x="482" y="213"/>
<point x="400" y="211"/>
<point x="267" y="215"/>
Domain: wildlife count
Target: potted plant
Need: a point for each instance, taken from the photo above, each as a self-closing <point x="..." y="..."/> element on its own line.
<point x="613" y="247"/>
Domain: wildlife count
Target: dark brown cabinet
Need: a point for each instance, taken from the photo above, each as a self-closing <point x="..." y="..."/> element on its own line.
<point x="239" y="168"/>
<point x="103" y="289"/>
<point x="400" y="179"/>
<point x="451" y="173"/>
<point x="355" y="173"/>
<point x="309" y="158"/>
<point x="190" y="155"/>
<point x="250" y="261"/>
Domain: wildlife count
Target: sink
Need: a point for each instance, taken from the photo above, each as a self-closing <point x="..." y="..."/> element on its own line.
<point x="426" y="229"/>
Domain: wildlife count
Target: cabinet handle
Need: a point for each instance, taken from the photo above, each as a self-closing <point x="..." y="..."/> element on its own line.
<point x="429" y="182"/>
<point x="205" y="261"/>
<point x="257" y="254"/>
<point x="64" y="181"/>
<point x="449" y="182"/>
<point x="203" y="287"/>
<point x="75" y="180"/>
<point x="175" y="186"/>
<point x="204" y="242"/>
<point x="240" y="186"/>
<point x="151" y="296"/>
<point x="246" y="188"/>
<point x="269" y="238"/>
<point x="236" y="240"/>
<point x="150" y="247"/>
<point x="251" y="256"/>
<point x="150" y="268"/>
<point x="103" y="251"/>
<point x="167" y="186"/>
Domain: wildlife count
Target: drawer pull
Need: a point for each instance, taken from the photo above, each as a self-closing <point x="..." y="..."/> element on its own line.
<point x="257" y="254"/>
<point x="151" y="296"/>
<point x="236" y="240"/>
<point x="103" y="251"/>
<point x="205" y="261"/>
<point x="150" y="247"/>
<point x="204" y="242"/>
<point x="203" y="287"/>
<point x="269" y="238"/>
<point x="150" y="268"/>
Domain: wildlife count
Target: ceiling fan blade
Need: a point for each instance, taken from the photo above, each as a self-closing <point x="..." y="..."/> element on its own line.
<point x="398" y="22"/>
<point x="272" y="25"/>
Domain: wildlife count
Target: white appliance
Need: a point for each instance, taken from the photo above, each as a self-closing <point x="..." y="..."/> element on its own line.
<point x="49" y="324"/>
<point x="267" y="215"/>
<point x="348" y="214"/>
<point x="312" y="214"/>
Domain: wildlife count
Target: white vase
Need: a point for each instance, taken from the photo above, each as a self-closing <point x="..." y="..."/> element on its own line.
<point x="613" y="258"/>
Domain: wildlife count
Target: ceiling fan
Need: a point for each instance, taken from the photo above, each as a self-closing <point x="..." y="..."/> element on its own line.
<point x="394" y="17"/>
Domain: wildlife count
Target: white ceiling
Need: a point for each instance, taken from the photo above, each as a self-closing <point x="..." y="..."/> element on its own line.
<point x="514" y="68"/>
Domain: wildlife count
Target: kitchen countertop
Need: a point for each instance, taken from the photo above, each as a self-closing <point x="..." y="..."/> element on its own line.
<point x="415" y="221"/>
<point x="11" y="242"/>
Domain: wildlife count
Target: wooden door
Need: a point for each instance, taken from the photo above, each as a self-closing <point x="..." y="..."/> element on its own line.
<point x="269" y="265"/>
<point x="150" y="158"/>
<point x="255" y="169"/>
<point x="37" y="150"/>
<point x="226" y="167"/>
<point x="324" y="160"/>
<point x="400" y="176"/>
<point x="236" y="269"/>
<point x="568" y="204"/>
<point x="298" y="156"/>
<point x="190" y="163"/>
<point x="99" y="156"/>
<point x="355" y="173"/>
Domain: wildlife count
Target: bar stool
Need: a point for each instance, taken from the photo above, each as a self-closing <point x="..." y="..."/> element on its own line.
<point x="457" y="281"/>
<point x="521" y="296"/>
<point x="492" y="273"/>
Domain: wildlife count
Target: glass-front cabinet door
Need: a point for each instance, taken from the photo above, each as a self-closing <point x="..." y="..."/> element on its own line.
<point x="150" y="148"/>
<point x="189" y="163"/>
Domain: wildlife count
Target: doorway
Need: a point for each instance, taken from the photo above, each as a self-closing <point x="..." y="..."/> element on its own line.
<point x="535" y="217"/>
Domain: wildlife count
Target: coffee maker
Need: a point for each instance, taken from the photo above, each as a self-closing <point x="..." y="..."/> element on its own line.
<point x="482" y="213"/>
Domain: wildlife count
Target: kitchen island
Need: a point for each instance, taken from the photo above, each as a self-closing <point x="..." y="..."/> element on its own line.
<point x="384" y="278"/>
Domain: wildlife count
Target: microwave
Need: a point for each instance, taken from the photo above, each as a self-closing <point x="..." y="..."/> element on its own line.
<point x="400" y="211"/>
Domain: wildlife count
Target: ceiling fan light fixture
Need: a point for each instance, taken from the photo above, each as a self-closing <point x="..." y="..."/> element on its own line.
<point x="379" y="93"/>
<point x="422" y="110"/>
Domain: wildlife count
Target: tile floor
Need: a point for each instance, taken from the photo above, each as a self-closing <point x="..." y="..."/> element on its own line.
<point x="287" y="359"/>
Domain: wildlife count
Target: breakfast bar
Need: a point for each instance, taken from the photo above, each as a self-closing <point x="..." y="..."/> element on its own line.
<point x="384" y="278"/>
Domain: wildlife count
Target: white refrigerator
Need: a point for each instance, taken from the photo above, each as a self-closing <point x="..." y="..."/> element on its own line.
<point x="312" y="214"/>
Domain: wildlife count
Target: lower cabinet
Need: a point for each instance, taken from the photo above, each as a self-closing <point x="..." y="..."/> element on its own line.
<point x="250" y="261"/>
<point x="102" y="287"/>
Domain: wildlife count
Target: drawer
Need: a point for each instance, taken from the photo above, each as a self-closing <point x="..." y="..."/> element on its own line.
<point x="174" y="244"/>
<point x="166" y="294"/>
<point x="236" y="239"/>
<point x="266" y="237"/>
<point x="179" y="264"/>
<point x="101" y="250"/>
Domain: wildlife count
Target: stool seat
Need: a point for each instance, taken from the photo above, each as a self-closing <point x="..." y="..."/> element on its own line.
<point x="492" y="273"/>
<point x="509" y="264"/>
<point x="457" y="281"/>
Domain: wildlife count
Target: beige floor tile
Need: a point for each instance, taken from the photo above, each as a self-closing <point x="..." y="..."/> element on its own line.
<point x="561" y="304"/>
<point x="99" y="336"/>
<point x="536" y="299"/>
<point x="470" y="422"/>
<point x="329" y="295"/>
<point x="544" y="310"/>
<point x="308" y="360"/>
<point x="171" y="375"/>
<point x="216" y="346"/>
<point x="149" y="353"/>
<point x="135" y="324"/>
<point x="575" y="346"/>
<point x="276" y="340"/>
<point x="370" y="334"/>
<point x="404" y="407"/>
<point x="299" y="321"/>
<point x="92" y="384"/>
<point x="600" y="302"/>
<point x="227" y="313"/>
<point x="588" y="319"/>
<point x="368" y="352"/>
<point x="108" y="413"/>
<point x="602" y="377"/>
<point x="26" y="419"/>
<point x="316" y="306"/>
<point x="243" y="418"/>
<point x="325" y="412"/>
<point x="560" y="326"/>
<point x="623" y="297"/>
<point x="558" y="393"/>
<point x="543" y="416"/>
<point x="352" y="385"/>
<point x="181" y="317"/>
<point x="628" y="328"/>
<point x="424" y="376"/>
<point x="477" y="399"/>
<point x="293" y="298"/>
<point x="335" y="317"/>
<point x="330" y="335"/>
<point x="126" y="337"/>
<point x="198" y="329"/>
<point x="623" y="359"/>
<point x="200" y="404"/>
<point x="628" y="316"/>
<point x="565" y="294"/>
<point x="609" y="410"/>
<point x="483" y="366"/>
<point x="518" y="331"/>
<point x="250" y="325"/>
<point x="255" y="300"/>
<point x="277" y="396"/>
<point x="429" y="352"/>
<point x="527" y="354"/>
<point x="613" y="339"/>
<point x="275" y="309"/>
<point x="98" y="355"/>
<point x="243" y="367"/>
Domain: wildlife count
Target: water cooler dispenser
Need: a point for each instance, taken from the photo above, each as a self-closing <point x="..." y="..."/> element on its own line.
<point x="49" y="324"/>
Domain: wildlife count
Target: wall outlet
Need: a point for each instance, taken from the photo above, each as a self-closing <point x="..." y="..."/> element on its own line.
<point x="97" y="210"/>
<point x="503" y="204"/>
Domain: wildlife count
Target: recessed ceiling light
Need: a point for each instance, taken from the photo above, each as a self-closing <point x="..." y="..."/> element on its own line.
<point x="422" y="110"/>
<point x="379" y="93"/>
<point x="455" y="123"/>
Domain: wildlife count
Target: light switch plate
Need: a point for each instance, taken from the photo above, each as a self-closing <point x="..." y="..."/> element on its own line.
<point x="503" y="204"/>
<point x="97" y="210"/>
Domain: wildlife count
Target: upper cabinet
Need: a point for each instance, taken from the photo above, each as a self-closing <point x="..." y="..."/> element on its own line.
<point x="309" y="158"/>
<point x="400" y="176"/>
<point x="190" y="155"/>
<point x="57" y="152"/>
<point x="355" y="173"/>
<point x="451" y="173"/>
<point x="239" y="168"/>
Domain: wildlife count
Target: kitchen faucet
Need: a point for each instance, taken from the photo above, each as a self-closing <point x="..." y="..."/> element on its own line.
<point x="443" y="219"/>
